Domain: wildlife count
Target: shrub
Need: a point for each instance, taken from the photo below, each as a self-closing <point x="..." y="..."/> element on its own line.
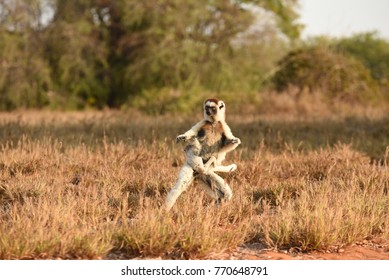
<point x="166" y="100"/>
<point x="372" y="51"/>
<point x="319" y="69"/>
<point x="369" y="49"/>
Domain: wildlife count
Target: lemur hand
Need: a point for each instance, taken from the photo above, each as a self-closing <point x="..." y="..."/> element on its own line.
<point x="180" y="138"/>
<point x="233" y="141"/>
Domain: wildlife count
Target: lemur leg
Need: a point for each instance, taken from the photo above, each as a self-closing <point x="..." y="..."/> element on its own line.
<point x="213" y="193"/>
<point x="225" y="169"/>
<point x="209" y="163"/>
<point x="196" y="163"/>
<point x="185" y="178"/>
<point x="208" y="166"/>
<point x="215" y="186"/>
<point x="221" y="187"/>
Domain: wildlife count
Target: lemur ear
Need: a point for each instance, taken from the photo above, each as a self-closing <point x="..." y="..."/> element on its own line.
<point x="221" y="105"/>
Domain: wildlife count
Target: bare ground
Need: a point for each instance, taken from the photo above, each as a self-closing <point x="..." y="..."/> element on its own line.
<point x="376" y="249"/>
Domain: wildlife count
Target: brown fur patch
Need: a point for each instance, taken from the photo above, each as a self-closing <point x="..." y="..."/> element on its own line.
<point x="215" y="100"/>
<point x="211" y="137"/>
<point x="211" y="132"/>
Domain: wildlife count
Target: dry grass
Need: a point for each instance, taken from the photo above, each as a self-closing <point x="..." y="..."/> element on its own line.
<point x="91" y="185"/>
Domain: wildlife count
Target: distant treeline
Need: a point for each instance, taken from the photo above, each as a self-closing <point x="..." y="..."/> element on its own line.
<point x="120" y="53"/>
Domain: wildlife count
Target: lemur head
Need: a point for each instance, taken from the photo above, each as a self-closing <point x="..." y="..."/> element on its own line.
<point x="214" y="110"/>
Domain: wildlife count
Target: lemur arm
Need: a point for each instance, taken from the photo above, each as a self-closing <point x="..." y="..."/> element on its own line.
<point x="230" y="145"/>
<point x="191" y="132"/>
<point x="227" y="130"/>
<point x="197" y="164"/>
<point x="211" y="164"/>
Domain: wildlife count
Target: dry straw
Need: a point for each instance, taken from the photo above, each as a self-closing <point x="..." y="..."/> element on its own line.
<point x="92" y="185"/>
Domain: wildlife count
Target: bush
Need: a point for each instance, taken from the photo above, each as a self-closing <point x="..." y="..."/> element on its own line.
<point x="319" y="69"/>
<point x="166" y="100"/>
<point x="24" y="75"/>
<point x="169" y="100"/>
<point x="369" y="49"/>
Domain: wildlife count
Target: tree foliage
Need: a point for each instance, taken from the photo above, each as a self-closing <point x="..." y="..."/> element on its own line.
<point x="370" y="50"/>
<point x="317" y="68"/>
<point x="367" y="48"/>
<point x="97" y="53"/>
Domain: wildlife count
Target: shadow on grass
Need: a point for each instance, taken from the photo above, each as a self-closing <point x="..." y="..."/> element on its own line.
<point x="366" y="135"/>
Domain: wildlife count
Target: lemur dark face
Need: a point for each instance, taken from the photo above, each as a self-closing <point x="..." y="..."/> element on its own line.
<point x="210" y="109"/>
<point x="214" y="109"/>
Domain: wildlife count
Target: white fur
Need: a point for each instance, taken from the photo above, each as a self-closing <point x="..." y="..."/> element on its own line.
<point x="218" y="117"/>
<point x="213" y="184"/>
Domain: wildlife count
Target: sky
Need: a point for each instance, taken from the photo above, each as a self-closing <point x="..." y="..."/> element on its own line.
<point x="342" y="18"/>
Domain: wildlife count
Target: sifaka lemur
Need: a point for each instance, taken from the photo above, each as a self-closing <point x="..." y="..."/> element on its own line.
<point x="207" y="144"/>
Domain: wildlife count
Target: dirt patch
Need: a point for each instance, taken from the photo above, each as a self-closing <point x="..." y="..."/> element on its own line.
<point x="377" y="249"/>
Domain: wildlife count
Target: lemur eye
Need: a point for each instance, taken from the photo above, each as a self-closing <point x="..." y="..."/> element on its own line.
<point x="211" y="108"/>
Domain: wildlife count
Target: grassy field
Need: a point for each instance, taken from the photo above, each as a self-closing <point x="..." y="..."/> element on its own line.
<point x="92" y="185"/>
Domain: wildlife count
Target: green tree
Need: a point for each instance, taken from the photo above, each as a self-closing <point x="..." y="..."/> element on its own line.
<point x="24" y="73"/>
<point x="371" y="50"/>
<point x="77" y="55"/>
<point x="367" y="48"/>
<point x="318" y="68"/>
<point x="94" y="53"/>
<point x="286" y="14"/>
<point x="176" y="43"/>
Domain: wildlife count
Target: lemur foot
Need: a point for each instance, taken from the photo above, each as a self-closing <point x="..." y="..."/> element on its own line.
<point x="233" y="167"/>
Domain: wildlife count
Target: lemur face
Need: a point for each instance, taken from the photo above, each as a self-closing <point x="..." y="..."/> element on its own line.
<point x="214" y="109"/>
<point x="210" y="109"/>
